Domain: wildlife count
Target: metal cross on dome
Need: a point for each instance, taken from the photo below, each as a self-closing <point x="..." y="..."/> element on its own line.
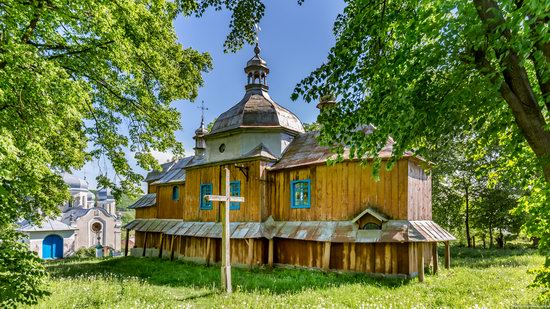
<point x="257" y="29"/>
<point x="226" y="251"/>
<point x="202" y="110"/>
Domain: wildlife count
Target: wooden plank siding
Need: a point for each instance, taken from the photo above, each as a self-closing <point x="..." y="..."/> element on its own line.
<point x="167" y="207"/>
<point x="419" y="193"/>
<point x="341" y="191"/>
<point x="146" y="212"/>
<point x="251" y="190"/>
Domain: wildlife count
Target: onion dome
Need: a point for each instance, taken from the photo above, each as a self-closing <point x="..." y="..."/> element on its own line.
<point x="74" y="182"/>
<point x="257" y="109"/>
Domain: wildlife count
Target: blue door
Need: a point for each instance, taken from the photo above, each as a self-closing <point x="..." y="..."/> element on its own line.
<point x="52" y="247"/>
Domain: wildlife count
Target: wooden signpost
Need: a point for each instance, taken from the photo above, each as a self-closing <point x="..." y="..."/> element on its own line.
<point x="226" y="250"/>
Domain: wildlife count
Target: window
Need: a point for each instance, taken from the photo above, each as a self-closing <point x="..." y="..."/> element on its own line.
<point x="371" y="226"/>
<point x="299" y="194"/>
<point x="235" y="190"/>
<point x="206" y="189"/>
<point x="175" y="193"/>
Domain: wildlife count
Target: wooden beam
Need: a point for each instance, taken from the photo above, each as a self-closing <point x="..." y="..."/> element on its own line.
<point x="435" y="258"/>
<point x="144" y="244"/>
<point x="420" y="254"/>
<point x="270" y="253"/>
<point x="447" y="255"/>
<point x="250" y="252"/>
<point x="326" y="256"/>
<point x="208" y="250"/>
<point x="127" y="240"/>
<point x="161" y="244"/>
<point x="172" y="247"/>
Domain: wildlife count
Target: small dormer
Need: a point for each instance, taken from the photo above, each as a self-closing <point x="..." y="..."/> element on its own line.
<point x="370" y="219"/>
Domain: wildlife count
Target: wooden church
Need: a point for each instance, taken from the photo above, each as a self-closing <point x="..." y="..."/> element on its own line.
<point x="298" y="211"/>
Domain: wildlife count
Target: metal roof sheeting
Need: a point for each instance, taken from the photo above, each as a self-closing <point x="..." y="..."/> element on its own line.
<point x="175" y="174"/>
<point x="332" y="231"/>
<point x="146" y="200"/>
<point x="305" y="150"/>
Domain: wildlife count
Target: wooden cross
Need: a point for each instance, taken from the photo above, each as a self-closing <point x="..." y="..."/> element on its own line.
<point x="226" y="250"/>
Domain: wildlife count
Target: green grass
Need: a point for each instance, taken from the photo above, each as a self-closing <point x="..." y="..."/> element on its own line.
<point x="486" y="278"/>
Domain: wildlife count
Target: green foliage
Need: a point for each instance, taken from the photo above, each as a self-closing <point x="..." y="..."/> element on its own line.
<point x="21" y="273"/>
<point x="489" y="278"/>
<point x="85" y="252"/>
<point x="314" y="126"/>
<point x="83" y="80"/>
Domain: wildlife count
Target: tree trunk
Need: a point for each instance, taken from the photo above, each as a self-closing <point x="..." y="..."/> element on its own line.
<point x="515" y="87"/>
<point x="491" y="235"/>
<point x="467" y="220"/>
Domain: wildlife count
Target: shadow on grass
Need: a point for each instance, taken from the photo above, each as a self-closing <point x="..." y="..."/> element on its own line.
<point x="491" y="257"/>
<point x="185" y="274"/>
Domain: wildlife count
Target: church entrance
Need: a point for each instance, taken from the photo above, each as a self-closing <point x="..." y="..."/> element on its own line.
<point x="52" y="247"/>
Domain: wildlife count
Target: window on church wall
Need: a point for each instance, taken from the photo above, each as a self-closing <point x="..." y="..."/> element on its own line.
<point x="175" y="193"/>
<point x="206" y="189"/>
<point x="235" y="190"/>
<point x="300" y="194"/>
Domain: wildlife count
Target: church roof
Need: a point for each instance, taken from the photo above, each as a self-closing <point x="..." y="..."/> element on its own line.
<point x="47" y="225"/>
<point x="74" y="182"/>
<point x="76" y="212"/>
<point x="175" y="173"/>
<point x="146" y="200"/>
<point x="305" y="149"/>
<point x="257" y="110"/>
<point x="156" y="175"/>
<point x="260" y="151"/>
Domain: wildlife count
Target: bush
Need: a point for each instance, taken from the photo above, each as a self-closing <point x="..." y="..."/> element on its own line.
<point x="85" y="252"/>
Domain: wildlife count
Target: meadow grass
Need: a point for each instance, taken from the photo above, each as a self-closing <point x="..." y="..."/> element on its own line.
<point x="478" y="278"/>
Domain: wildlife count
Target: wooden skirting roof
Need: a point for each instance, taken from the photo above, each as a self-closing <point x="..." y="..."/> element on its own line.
<point x="146" y="200"/>
<point x="326" y="231"/>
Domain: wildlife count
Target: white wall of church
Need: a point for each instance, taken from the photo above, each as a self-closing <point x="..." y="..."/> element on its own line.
<point x="241" y="143"/>
<point x="36" y="239"/>
<point x="110" y="232"/>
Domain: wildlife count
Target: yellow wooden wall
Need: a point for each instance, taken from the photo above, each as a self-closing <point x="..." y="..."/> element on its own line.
<point x="168" y="208"/>
<point x="252" y="190"/>
<point x="341" y="191"/>
<point x="420" y="193"/>
<point x="146" y="212"/>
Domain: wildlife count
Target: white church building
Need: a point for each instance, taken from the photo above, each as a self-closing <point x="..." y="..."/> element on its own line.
<point x="85" y="221"/>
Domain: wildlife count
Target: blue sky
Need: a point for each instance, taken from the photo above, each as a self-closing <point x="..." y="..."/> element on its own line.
<point x="294" y="41"/>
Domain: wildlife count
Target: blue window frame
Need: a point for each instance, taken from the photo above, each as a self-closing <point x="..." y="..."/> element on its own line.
<point x="235" y="190"/>
<point x="206" y="189"/>
<point x="300" y="194"/>
<point x="175" y="193"/>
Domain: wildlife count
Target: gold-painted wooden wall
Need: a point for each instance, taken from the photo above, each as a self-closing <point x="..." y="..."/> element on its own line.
<point x="341" y="191"/>
<point x="146" y="212"/>
<point x="253" y="190"/>
<point x="167" y="207"/>
<point x="420" y="193"/>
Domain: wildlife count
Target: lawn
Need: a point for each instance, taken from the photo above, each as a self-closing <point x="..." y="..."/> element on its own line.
<point x="487" y="278"/>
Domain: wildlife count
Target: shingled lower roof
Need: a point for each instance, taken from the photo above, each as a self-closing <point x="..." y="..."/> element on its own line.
<point x="331" y="231"/>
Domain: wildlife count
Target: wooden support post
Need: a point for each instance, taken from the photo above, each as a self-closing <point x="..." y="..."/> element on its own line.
<point x="127" y="241"/>
<point x="208" y="251"/>
<point x="172" y="247"/>
<point x="144" y="244"/>
<point x="250" y="252"/>
<point x="435" y="258"/>
<point x="161" y="244"/>
<point x="270" y="253"/>
<point x="326" y="256"/>
<point x="420" y="253"/>
<point x="447" y="255"/>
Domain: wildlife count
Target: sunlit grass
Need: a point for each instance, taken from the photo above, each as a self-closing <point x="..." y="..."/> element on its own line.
<point x="483" y="278"/>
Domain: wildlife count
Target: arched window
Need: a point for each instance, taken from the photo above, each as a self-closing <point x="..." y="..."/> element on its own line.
<point x="371" y="226"/>
<point x="175" y="193"/>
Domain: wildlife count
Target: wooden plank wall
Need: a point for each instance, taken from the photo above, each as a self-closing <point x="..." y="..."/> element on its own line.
<point x="341" y="191"/>
<point x="146" y="212"/>
<point x="167" y="207"/>
<point x="420" y="193"/>
<point x="386" y="258"/>
<point x="251" y="190"/>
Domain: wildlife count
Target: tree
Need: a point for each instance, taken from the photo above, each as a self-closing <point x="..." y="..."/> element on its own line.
<point x="82" y="80"/>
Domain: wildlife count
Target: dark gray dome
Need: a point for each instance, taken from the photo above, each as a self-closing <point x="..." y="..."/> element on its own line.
<point x="257" y="110"/>
<point x="74" y="182"/>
